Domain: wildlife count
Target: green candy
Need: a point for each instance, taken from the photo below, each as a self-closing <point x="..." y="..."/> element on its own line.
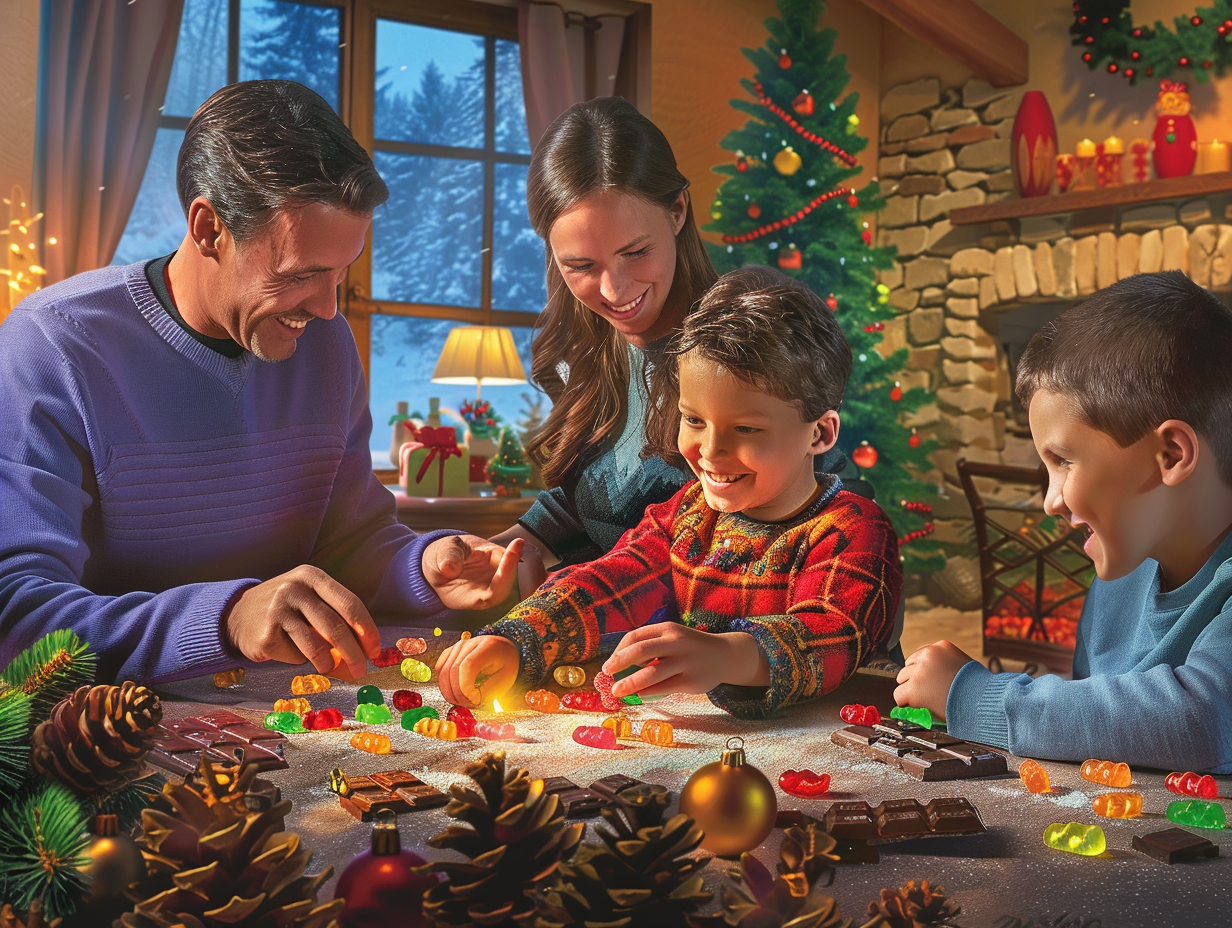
<point x="1197" y="813"/>
<point x="287" y="722"/>
<point x="632" y="700"/>
<point x="921" y="717"/>
<point x="411" y="716"/>
<point x="371" y="714"/>
<point x="369" y="695"/>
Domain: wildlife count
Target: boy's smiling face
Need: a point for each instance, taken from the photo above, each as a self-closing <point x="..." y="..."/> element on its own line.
<point x="751" y="452"/>
<point x="1115" y="492"/>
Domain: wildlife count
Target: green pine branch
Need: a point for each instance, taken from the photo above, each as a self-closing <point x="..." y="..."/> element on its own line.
<point x="51" y="669"/>
<point x="15" y="728"/>
<point x="43" y="838"/>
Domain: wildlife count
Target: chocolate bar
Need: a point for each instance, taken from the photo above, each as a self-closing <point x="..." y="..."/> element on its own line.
<point x="396" y="790"/>
<point x="179" y="744"/>
<point x="614" y="783"/>
<point x="1174" y="844"/>
<point x="919" y="752"/>
<point x="901" y="819"/>
<point x="577" y="801"/>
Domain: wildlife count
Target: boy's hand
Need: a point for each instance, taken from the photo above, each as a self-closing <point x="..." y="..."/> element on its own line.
<point x="469" y="572"/>
<point x="477" y="670"/>
<point x="677" y="659"/>
<point x="924" y="682"/>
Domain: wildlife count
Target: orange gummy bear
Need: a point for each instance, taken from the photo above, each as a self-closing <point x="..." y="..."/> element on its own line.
<point x="658" y="732"/>
<point x="299" y="705"/>
<point x="371" y="742"/>
<point x="441" y="729"/>
<point x="309" y="683"/>
<point x="543" y="700"/>
<point x="1106" y="773"/>
<point x="1034" y="777"/>
<point x="621" y="727"/>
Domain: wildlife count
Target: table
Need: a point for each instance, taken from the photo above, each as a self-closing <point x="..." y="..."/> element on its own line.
<point x="480" y="515"/>
<point x="1003" y="878"/>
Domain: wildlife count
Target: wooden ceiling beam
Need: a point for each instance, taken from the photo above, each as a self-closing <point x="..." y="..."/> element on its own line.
<point x="964" y="31"/>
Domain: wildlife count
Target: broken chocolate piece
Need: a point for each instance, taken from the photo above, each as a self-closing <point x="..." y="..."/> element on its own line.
<point x="396" y="790"/>
<point x="576" y="801"/>
<point x="614" y="783"/>
<point x="901" y="819"/>
<point x="179" y="744"/>
<point x="920" y="753"/>
<point x="1174" y="844"/>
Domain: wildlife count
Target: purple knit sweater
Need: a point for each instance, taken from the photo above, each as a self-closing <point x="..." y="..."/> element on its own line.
<point x="146" y="479"/>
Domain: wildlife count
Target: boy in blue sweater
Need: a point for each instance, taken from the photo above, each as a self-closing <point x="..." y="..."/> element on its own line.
<point x="1130" y="403"/>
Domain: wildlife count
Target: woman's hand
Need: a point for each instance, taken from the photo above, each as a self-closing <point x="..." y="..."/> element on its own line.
<point x="925" y="680"/>
<point x="469" y="572"/>
<point x="477" y="670"/>
<point x="677" y="659"/>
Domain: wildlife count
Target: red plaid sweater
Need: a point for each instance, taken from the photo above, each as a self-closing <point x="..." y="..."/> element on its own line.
<point x="818" y="592"/>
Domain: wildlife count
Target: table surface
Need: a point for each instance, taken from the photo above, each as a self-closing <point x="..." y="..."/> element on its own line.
<point x="1004" y="877"/>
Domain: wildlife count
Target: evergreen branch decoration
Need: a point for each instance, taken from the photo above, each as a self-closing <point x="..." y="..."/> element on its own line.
<point x="42" y="840"/>
<point x="1199" y="45"/>
<point x="50" y="669"/>
<point x="15" y="724"/>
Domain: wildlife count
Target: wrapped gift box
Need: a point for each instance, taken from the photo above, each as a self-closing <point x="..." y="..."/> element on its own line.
<point x="434" y="464"/>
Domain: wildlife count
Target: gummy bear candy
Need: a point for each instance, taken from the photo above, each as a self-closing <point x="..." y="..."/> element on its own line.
<point x="406" y="699"/>
<point x="1188" y="784"/>
<point x="921" y="717"/>
<point x="298" y="705"/>
<point x="583" y="701"/>
<point x="1034" y="777"/>
<point x="369" y="695"/>
<point x="603" y="686"/>
<point x="804" y="783"/>
<point x="411" y="716"/>
<point x="387" y="657"/>
<point x="595" y="736"/>
<point x="225" y="679"/>
<point x="543" y="700"/>
<point x="373" y="713"/>
<point x="633" y="699"/>
<point x="323" y="720"/>
<point x="411" y="646"/>
<point x="309" y="683"/>
<point x="658" y="732"/>
<point x="1106" y="772"/>
<point x="495" y="731"/>
<point x="1077" y="838"/>
<point x="856" y="714"/>
<point x="284" y="721"/>
<point x="436" y="728"/>
<point x="621" y="727"/>
<point x="464" y="719"/>
<point x="569" y="675"/>
<point x="1197" y="813"/>
<point x="371" y="742"/>
<point x="416" y="671"/>
<point x="1117" y="805"/>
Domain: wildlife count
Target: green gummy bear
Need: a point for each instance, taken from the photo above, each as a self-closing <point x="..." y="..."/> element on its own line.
<point x="1197" y="813"/>
<point x="921" y="717"/>
<point x="411" y="716"/>
<point x="369" y="695"/>
<point x="632" y="700"/>
<point x="1077" y="838"/>
<point x="287" y="722"/>
<point x="371" y="714"/>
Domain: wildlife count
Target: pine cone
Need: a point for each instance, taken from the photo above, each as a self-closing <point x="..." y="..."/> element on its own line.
<point x="213" y="860"/>
<point x="637" y="876"/>
<point x="97" y="738"/>
<point x="912" y="907"/>
<point x="34" y="918"/>
<point x="515" y="836"/>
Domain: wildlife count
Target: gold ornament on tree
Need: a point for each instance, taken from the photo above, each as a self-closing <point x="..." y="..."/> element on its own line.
<point x="732" y="801"/>
<point x="787" y="162"/>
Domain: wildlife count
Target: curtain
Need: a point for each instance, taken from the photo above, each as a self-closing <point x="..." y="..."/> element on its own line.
<point x="566" y="58"/>
<point x="105" y="72"/>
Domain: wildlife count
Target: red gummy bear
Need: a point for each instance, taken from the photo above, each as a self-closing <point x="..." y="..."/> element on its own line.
<point x="1190" y="784"/>
<point x="464" y="719"/>
<point x="495" y="731"/>
<point x="856" y="714"/>
<point x="406" y="699"/>
<point x="603" y="686"/>
<point x="804" y="783"/>
<point x="323" y="720"/>
<point x="388" y="657"/>
<point x="595" y="736"/>
<point x="583" y="701"/>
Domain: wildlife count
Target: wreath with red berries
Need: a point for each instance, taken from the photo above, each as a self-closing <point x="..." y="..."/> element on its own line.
<point x="1199" y="46"/>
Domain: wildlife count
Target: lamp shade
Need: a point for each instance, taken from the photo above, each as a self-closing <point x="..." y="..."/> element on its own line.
<point x="480" y="354"/>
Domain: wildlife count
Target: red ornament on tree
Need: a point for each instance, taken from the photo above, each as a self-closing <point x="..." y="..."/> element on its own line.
<point x="742" y="162"/>
<point x="853" y="201"/>
<point x="754" y="210"/>
<point x="791" y="258"/>
<point x="864" y="456"/>
<point x="874" y="327"/>
<point x="380" y="881"/>
<point x="784" y="60"/>
<point x="867" y="235"/>
<point x="914" y="440"/>
<point x="832" y="303"/>
<point x="803" y="103"/>
<point x="896" y="393"/>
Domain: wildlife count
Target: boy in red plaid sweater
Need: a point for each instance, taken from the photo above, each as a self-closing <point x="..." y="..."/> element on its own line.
<point x="756" y="583"/>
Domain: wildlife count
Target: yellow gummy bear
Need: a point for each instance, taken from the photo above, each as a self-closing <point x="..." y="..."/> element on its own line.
<point x="309" y="683"/>
<point x="442" y="729"/>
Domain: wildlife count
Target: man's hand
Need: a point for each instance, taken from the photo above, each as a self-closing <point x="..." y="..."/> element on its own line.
<point x="469" y="572"/>
<point x="477" y="670"/>
<point x="924" y="681"/>
<point x="677" y="659"/>
<point x="301" y="615"/>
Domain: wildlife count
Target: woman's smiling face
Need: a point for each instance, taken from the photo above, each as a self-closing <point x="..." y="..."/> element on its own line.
<point x="617" y="254"/>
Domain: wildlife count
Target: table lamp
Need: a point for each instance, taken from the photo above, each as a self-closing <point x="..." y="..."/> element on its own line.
<point x="479" y="354"/>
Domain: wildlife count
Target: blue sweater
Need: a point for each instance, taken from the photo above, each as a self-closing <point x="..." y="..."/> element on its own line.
<point x="146" y="479"/>
<point x="1152" y="680"/>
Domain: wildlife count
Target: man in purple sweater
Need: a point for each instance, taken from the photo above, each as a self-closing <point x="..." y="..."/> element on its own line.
<point x="184" y="467"/>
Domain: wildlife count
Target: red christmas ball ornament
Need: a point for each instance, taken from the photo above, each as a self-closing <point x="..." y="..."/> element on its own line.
<point x="380" y="881"/>
<point x="784" y="60"/>
<point x="914" y="440"/>
<point x="742" y="162"/>
<point x="853" y="201"/>
<point x="754" y="210"/>
<point x="864" y="456"/>
<point x="791" y="258"/>
<point x="803" y="104"/>
<point x="874" y="327"/>
<point x="1196" y="20"/>
<point x="1086" y="56"/>
<point x="896" y="393"/>
<point x="832" y="302"/>
<point x="867" y="235"/>
<point x="1184" y="61"/>
<point x="1135" y="55"/>
<point x="1112" y="67"/>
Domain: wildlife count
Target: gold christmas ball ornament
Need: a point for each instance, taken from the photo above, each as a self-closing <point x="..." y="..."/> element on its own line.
<point x="787" y="162"/>
<point x="732" y="801"/>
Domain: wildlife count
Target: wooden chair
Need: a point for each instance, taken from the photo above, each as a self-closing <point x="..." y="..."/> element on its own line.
<point x="1032" y="569"/>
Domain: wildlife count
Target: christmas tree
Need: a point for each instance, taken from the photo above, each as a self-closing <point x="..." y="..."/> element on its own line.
<point x="788" y="200"/>
<point x="509" y="471"/>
